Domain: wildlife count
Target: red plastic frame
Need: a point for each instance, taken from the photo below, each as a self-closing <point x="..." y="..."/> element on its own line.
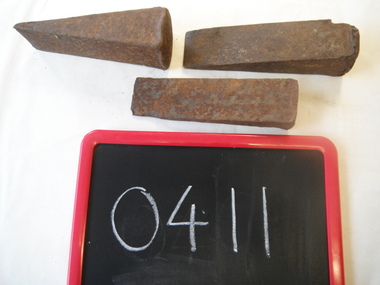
<point x="334" y="232"/>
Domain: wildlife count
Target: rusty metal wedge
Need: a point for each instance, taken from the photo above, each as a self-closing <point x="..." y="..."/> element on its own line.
<point x="305" y="47"/>
<point x="137" y="36"/>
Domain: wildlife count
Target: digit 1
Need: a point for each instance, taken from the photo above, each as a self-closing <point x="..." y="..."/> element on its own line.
<point x="233" y="212"/>
<point x="265" y="218"/>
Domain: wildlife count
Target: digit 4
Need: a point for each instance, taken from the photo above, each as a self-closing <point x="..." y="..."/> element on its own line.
<point x="192" y="223"/>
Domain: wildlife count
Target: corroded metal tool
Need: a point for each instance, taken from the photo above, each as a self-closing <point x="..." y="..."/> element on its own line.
<point x="255" y="102"/>
<point x="309" y="47"/>
<point x="138" y="36"/>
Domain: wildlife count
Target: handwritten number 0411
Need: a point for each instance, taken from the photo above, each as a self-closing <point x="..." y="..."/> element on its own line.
<point x="191" y="223"/>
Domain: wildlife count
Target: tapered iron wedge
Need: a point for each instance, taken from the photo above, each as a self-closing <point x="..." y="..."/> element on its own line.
<point x="306" y="47"/>
<point x="255" y="102"/>
<point x="138" y="36"/>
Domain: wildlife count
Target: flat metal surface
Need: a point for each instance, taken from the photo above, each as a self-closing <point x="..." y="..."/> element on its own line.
<point x="254" y="102"/>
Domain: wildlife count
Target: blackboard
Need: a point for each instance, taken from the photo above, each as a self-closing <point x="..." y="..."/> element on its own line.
<point x="184" y="208"/>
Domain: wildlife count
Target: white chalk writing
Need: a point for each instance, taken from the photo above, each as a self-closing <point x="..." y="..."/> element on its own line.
<point x="156" y="216"/>
<point x="265" y="222"/>
<point x="191" y="223"/>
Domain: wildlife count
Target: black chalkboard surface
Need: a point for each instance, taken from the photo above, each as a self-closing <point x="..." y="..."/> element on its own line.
<point x="177" y="208"/>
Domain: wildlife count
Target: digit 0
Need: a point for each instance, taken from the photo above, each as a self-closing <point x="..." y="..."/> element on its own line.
<point x="156" y="216"/>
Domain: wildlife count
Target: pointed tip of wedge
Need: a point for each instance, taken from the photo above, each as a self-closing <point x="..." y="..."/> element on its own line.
<point x="18" y="27"/>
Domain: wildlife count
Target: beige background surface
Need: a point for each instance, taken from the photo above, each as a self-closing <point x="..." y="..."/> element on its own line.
<point x="48" y="102"/>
